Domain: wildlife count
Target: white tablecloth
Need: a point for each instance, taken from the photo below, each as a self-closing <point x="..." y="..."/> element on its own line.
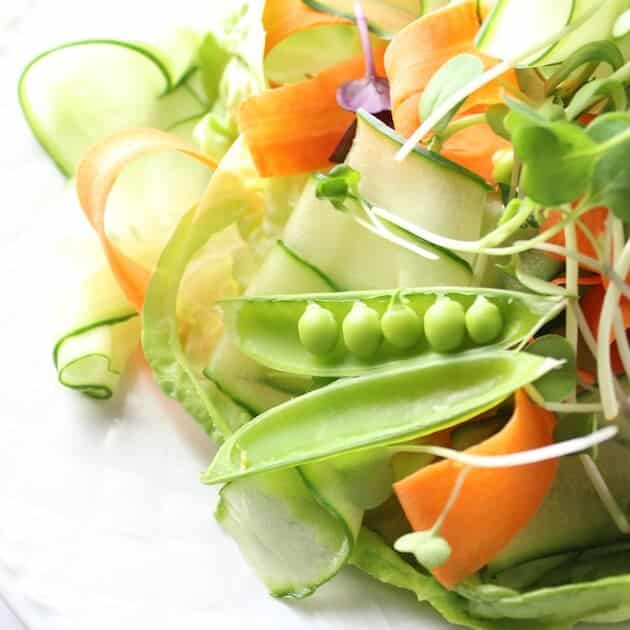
<point x="103" y="523"/>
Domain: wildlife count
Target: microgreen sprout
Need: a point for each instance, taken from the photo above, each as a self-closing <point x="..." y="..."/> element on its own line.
<point x="488" y="76"/>
<point x="371" y="92"/>
<point x="521" y="458"/>
<point x="606" y="496"/>
<point x="430" y="549"/>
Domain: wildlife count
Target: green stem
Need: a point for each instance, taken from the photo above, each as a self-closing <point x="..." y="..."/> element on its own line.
<point x="623" y="74"/>
<point x="517" y="169"/>
<point x="455" y="492"/>
<point x="604" y="369"/>
<point x="522" y="246"/>
<point x="572" y="272"/>
<point x="458" y="125"/>
<point x="572" y="85"/>
<point x="601" y="487"/>
<point x="590" y="236"/>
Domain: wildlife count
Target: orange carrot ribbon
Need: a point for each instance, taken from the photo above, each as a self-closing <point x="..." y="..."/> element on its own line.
<point x="295" y="128"/>
<point x="591" y="305"/>
<point x="96" y="176"/>
<point x="283" y="18"/>
<point x="414" y="56"/>
<point x="474" y="527"/>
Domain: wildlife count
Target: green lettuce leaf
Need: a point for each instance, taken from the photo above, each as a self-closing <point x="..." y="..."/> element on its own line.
<point x="584" y="579"/>
<point x="380" y="561"/>
<point x="231" y="64"/>
<point x="229" y="198"/>
<point x="592" y="585"/>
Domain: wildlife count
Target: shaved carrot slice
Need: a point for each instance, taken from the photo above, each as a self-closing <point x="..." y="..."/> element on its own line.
<point x="283" y="18"/>
<point x="591" y="305"/>
<point x="295" y="128"/>
<point x="96" y="176"/>
<point x="421" y="48"/>
<point x="414" y="56"/>
<point x="475" y="529"/>
<point x="473" y="149"/>
<point x="586" y="377"/>
<point x="594" y="220"/>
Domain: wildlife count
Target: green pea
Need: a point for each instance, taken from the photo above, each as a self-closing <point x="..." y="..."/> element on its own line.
<point x="484" y="321"/>
<point x="362" y="330"/>
<point x="318" y="329"/>
<point x="401" y="326"/>
<point x="445" y="325"/>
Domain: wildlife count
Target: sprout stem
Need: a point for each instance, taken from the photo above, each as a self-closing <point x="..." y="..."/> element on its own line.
<point x="606" y="496"/>
<point x="622" y="342"/>
<point x="584" y="328"/>
<point x="455" y="492"/>
<point x="604" y="368"/>
<point x="461" y="123"/>
<point x="364" y="36"/>
<point x="572" y="272"/>
<point x="522" y="458"/>
<point x="595" y="407"/>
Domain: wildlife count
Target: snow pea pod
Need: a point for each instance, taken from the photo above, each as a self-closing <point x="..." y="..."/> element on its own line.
<point x="267" y="328"/>
<point x="376" y="409"/>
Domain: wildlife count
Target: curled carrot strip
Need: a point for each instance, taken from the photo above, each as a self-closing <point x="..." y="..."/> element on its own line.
<point x="283" y="18"/>
<point x="96" y="176"/>
<point x="594" y="220"/>
<point x="591" y="305"/>
<point x="586" y="377"/>
<point x="414" y="56"/>
<point x="494" y="503"/>
<point x="295" y="128"/>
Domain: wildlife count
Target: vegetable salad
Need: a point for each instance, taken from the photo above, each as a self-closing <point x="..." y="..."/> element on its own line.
<point x="379" y="252"/>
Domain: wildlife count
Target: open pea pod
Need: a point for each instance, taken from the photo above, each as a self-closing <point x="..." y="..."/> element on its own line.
<point x="378" y="409"/>
<point x="268" y="328"/>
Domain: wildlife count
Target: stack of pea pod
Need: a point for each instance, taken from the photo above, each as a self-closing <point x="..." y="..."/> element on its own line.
<point x="393" y="363"/>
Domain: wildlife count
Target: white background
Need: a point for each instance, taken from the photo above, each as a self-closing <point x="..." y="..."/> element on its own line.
<point x="103" y="523"/>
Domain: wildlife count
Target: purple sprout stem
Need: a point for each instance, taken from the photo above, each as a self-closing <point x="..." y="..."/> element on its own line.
<point x="366" y="43"/>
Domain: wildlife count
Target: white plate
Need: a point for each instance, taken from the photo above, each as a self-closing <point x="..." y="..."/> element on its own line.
<point x="103" y="522"/>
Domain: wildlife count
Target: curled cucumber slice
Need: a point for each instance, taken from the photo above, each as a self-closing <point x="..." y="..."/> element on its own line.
<point x="378" y="409"/>
<point x="97" y="328"/>
<point x="514" y="26"/>
<point x="151" y="196"/>
<point x="385" y="17"/>
<point x="305" y="53"/>
<point x="426" y="6"/>
<point x="292" y="542"/>
<point x="80" y="92"/>
<point x="92" y="359"/>
<point x="267" y="328"/>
